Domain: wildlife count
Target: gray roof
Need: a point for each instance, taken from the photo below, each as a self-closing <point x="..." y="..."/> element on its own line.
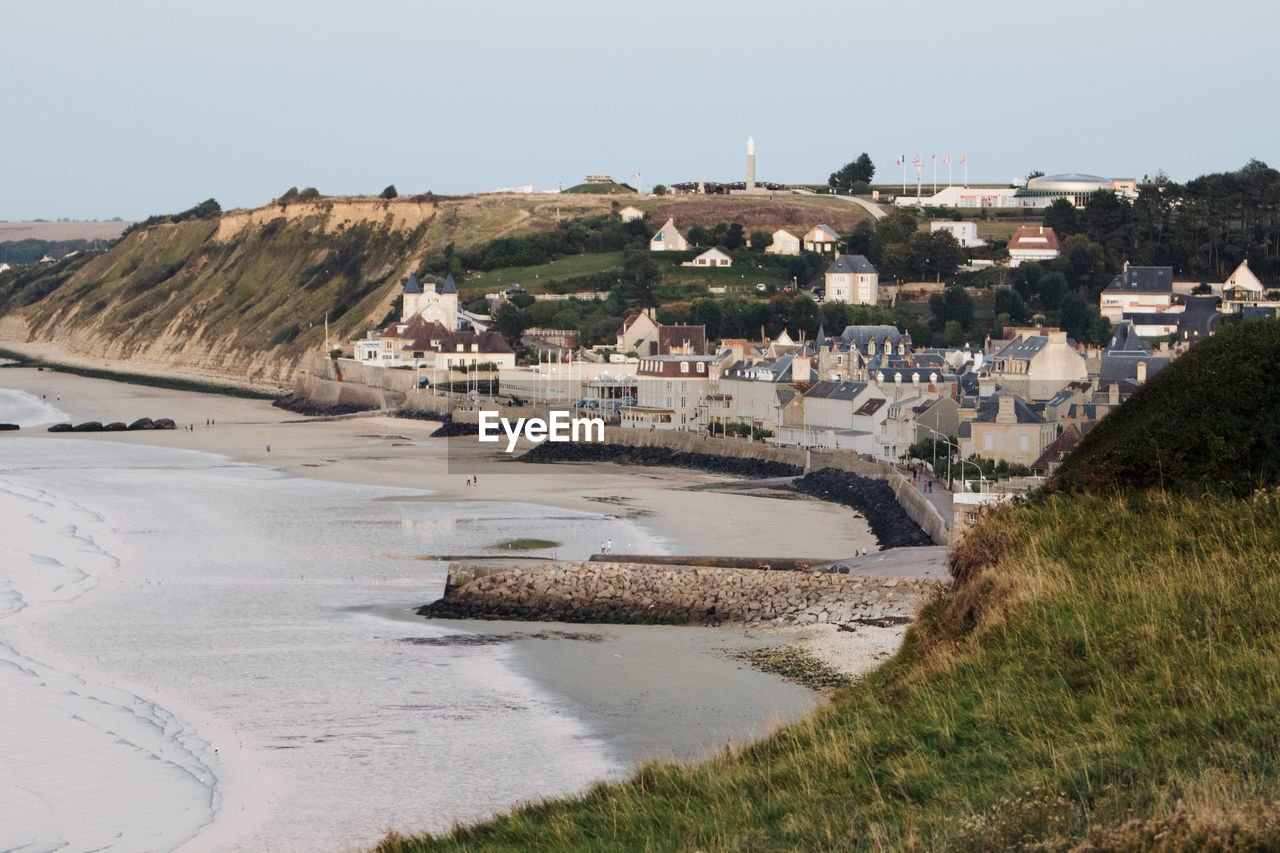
<point x="856" y="264"/>
<point x="412" y="285"/>
<point x="862" y="334"/>
<point x="448" y="286"/>
<point x="1143" y="280"/>
<point x="1124" y="339"/>
<point x="1023" y="347"/>
<point x="828" y="390"/>
<point x="989" y="407"/>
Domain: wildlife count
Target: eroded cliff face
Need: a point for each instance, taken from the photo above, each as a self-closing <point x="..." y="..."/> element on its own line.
<point x="245" y="296"/>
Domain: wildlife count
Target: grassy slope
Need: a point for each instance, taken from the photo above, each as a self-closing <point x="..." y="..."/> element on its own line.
<point x="534" y="278"/>
<point x="1102" y="661"/>
<point x="1209" y="420"/>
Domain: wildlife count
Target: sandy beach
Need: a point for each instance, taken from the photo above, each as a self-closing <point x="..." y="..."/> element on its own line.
<point x="642" y="692"/>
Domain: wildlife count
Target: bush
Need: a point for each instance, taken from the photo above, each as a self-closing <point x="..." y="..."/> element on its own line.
<point x="389" y="192"/>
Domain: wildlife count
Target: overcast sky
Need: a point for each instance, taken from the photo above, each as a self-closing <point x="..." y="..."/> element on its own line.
<point x="134" y="108"/>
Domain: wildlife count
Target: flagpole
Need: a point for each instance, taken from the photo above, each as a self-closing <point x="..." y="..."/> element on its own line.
<point x="934" y="158"/>
<point x="950" y="167"/>
<point x="904" y="174"/>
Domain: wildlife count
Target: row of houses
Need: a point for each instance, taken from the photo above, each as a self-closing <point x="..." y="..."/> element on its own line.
<point x="821" y="239"/>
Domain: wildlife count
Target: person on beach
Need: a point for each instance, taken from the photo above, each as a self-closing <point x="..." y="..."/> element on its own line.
<point x="268" y="448"/>
<point x="608" y="546"/>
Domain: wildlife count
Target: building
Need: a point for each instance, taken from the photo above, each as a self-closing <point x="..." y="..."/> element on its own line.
<point x="1074" y="187"/>
<point x="432" y="346"/>
<point x="966" y="233"/>
<point x="643" y="335"/>
<point x="710" y="258"/>
<point x="839" y="415"/>
<point x="1037" y="363"/>
<point x="958" y="196"/>
<point x="1128" y="356"/>
<point x="784" y="243"/>
<point x="435" y="303"/>
<point x="1005" y="428"/>
<point x="1032" y="243"/>
<point x="852" y="278"/>
<point x="821" y="239"/>
<point x="1198" y="318"/>
<point x="668" y="239"/>
<point x="1061" y="447"/>
<point x="630" y="213"/>
<point x="1138" y="290"/>
<point x="671" y="391"/>
<point x="1242" y="285"/>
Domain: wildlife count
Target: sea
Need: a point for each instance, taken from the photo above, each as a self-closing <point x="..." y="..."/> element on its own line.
<point x="199" y="653"/>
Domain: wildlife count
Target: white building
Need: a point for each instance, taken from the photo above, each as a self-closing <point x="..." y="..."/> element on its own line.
<point x="710" y="258"/>
<point x="630" y="213"/>
<point x="821" y="239"/>
<point x="964" y="197"/>
<point x="784" y="243"/>
<point x="1138" y="290"/>
<point x="1032" y="243"/>
<point x="966" y="233"/>
<point x="668" y="239"/>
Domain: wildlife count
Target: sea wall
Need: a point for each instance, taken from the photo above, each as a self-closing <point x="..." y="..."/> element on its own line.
<point x="634" y="592"/>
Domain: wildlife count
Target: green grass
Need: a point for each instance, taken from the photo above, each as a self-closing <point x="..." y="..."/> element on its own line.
<point x="534" y="279"/>
<point x="1102" y="660"/>
<point x="740" y="274"/>
<point x="613" y="188"/>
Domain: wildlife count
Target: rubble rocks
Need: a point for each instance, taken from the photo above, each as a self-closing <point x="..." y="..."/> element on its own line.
<point x="632" y="592"/>
<point x="306" y="406"/>
<point x="890" y="524"/>
<point x="661" y="456"/>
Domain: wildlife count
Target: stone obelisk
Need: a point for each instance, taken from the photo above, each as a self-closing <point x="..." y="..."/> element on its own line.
<point x="751" y="165"/>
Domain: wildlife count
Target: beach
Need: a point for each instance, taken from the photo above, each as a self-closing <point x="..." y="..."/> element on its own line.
<point x="266" y="568"/>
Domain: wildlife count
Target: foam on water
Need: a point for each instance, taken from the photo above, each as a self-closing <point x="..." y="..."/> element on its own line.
<point x="28" y="410"/>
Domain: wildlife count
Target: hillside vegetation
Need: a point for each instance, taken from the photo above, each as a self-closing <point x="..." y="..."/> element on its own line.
<point x="246" y="293"/>
<point x="1209" y="421"/>
<point x="1101" y="677"/>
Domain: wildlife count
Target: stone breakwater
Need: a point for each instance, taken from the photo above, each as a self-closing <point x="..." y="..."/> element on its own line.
<point x="875" y="499"/>
<point x="659" y="456"/>
<point x="631" y="592"/>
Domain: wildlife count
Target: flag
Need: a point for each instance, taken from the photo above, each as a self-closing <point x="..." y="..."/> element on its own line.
<point x="635" y="175"/>
<point x="915" y="161"/>
<point x="963" y="157"/>
<point x="898" y="162"/>
<point x="946" y="159"/>
<point x="933" y="158"/>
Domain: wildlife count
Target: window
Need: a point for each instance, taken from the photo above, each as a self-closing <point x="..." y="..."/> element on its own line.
<point x="684" y="367"/>
<point x="702" y="368"/>
<point x="988" y="441"/>
<point x="1024" y="443"/>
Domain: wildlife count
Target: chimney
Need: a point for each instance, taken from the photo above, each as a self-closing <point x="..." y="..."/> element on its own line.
<point x="986" y="386"/>
<point x="1142" y="371"/>
<point x="1113" y="394"/>
<point x="1005" y="414"/>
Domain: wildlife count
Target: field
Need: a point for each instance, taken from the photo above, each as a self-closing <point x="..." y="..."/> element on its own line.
<point x="534" y="279"/>
<point x="55" y="231"/>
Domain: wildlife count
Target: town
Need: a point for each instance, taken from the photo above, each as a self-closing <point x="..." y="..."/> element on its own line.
<point x="851" y="364"/>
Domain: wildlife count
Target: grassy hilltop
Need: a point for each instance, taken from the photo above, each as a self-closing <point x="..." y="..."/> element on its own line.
<point x="246" y="293"/>
<point x="1102" y="677"/>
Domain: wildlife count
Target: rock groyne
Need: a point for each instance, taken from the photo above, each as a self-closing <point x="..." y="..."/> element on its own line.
<point x="635" y="592"/>
<point x="659" y="456"/>
<point x="875" y="499"/>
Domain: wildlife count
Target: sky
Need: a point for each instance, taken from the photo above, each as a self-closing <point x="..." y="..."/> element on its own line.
<point x="139" y="107"/>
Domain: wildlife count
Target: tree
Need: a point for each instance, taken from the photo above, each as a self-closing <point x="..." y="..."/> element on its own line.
<point x="706" y="312"/>
<point x="1034" y="173"/>
<point x="1074" y="319"/>
<point x="860" y="240"/>
<point x="860" y="170"/>
<point x="761" y="240"/>
<point x="510" y="322"/>
<point x="1051" y="288"/>
<point x="389" y="192"/>
<point x="659" y="189"/>
<point x="699" y="236"/>
<point x="1010" y="302"/>
<point x="645" y="273"/>
<point x="1063" y="218"/>
<point x="946" y="254"/>
<point x="734" y="238"/>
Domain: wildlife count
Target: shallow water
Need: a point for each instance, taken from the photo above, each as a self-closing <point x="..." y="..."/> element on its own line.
<point x="171" y="621"/>
<point x="205" y="654"/>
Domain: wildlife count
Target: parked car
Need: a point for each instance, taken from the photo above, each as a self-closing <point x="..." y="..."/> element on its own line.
<point x="761" y="287"/>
